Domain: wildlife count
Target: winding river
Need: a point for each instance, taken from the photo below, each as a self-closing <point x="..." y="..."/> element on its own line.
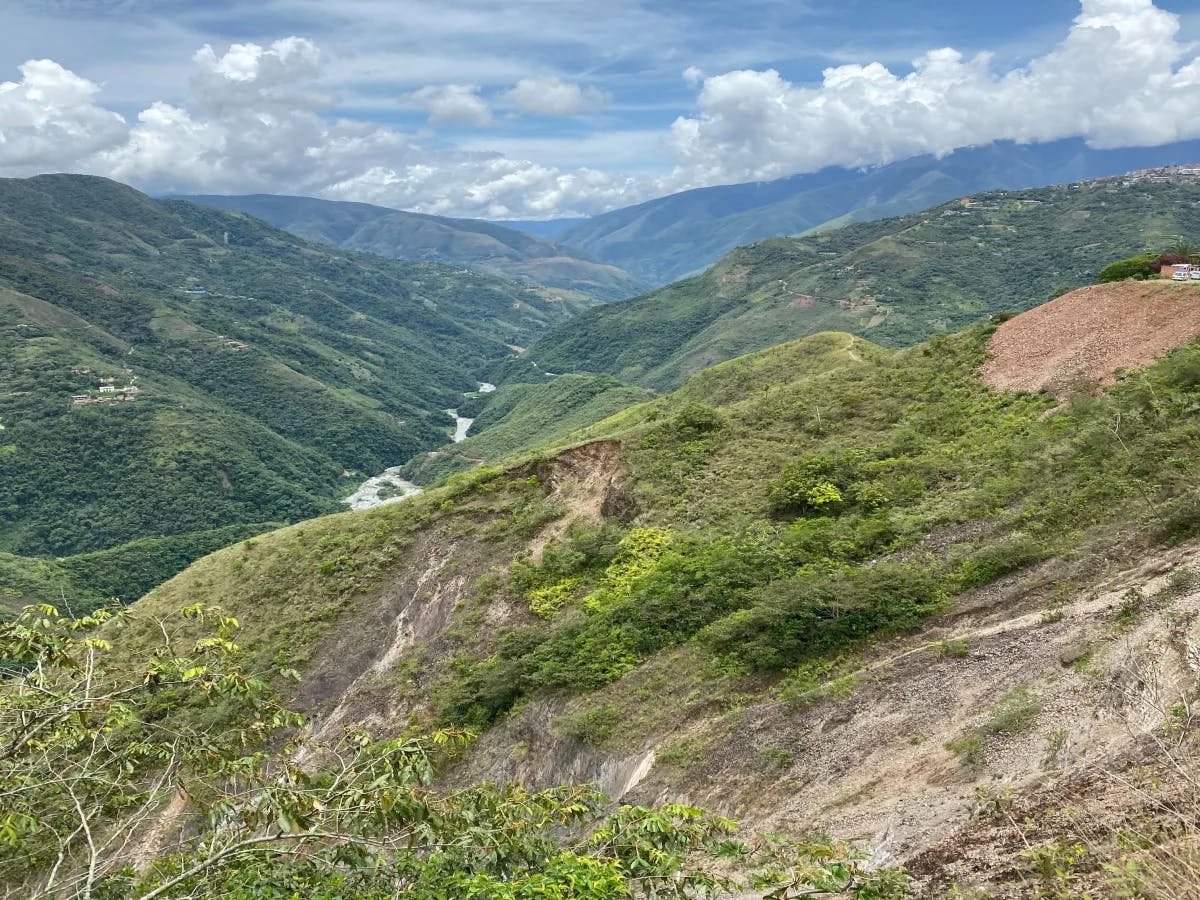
<point x="388" y="486"/>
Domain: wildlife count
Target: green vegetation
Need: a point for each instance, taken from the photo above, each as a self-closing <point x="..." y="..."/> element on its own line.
<point x="897" y="281"/>
<point x="361" y="820"/>
<point x="83" y="582"/>
<point x="486" y="246"/>
<point x="523" y="416"/>
<point x="1136" y="267"/>
<point x="266" y="374"/>
<point x="719" y="549"/>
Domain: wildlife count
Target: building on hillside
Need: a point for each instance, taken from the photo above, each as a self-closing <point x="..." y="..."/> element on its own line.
<point x="1171" y="271"/>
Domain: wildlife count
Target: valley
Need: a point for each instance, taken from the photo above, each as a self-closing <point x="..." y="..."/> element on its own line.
<point x="932" y="597"/>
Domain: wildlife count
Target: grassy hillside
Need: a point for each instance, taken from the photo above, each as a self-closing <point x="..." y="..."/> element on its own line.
<point x="719" y="575"/>
<point x="78" y="584"/>
<point x="259" y="372"/>
<point x="486" y="246"/>
<point x="896" y="281"/>
<point x="672" y="237"/>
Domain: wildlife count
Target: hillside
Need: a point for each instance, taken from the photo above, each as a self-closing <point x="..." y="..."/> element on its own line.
<point x="678" y="235"/>
<point x="896" y="281"/>
<point x="1090" y="335"/>
<point x="826" y="587"/>
<point x="167" y="368"/>
<point x="486" y="246"/>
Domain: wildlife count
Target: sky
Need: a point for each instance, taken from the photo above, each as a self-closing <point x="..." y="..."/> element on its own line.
<point x="537" y="109"/>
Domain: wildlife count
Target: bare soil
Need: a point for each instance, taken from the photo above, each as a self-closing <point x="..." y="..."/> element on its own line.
<point x="1090" y="334"/>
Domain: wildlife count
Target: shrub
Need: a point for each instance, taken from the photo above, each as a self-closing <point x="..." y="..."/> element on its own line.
<point x="818" y="484"/>
<point x="695" y="420"/>
<point x="1015" y="712"/>
<point x="593" y="726"/>
<point x="1138" y="267"/>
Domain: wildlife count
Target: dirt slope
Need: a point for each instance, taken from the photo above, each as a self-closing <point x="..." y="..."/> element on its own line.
<point x="1091" y="333"/>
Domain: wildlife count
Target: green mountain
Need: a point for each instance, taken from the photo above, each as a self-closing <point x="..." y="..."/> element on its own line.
<point x="167" y="368"/>
<point x="896" y="281"/>
<point x="828" y="587"/>
<point x="486" y="246"/>
<point x="671" y="237"/>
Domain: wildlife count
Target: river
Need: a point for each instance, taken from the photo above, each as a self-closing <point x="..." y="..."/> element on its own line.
<point x="389" y="487"/>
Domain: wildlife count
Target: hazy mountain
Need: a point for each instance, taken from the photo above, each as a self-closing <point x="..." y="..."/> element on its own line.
<point x="664" y="239"/>
<point x="486" y="246"/>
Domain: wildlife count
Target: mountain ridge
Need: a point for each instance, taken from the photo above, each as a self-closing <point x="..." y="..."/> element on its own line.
<point x="671" y="237"/>
<point x="170" y="368"/>
<point x="893" y="280"/>
<point x="399" y="234"/>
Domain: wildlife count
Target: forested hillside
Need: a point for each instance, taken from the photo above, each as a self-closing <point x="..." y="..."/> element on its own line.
<point x="167" y="368"/>
<point x="896" y="281"/>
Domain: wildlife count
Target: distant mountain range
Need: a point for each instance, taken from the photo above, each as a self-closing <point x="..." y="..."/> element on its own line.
<point x="671" y="237"/>
<point x="896" y="281"/>
<point x="485" y="246"/>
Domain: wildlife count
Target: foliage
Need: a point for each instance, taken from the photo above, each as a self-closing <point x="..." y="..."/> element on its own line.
<point x="92" y="753"/>
<point x="520" y="416"/>
<point x="289" y="366"/>
<point x="1138" y="267"/>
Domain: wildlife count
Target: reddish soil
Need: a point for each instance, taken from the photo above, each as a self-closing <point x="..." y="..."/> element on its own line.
<point x="1091" y="333"/>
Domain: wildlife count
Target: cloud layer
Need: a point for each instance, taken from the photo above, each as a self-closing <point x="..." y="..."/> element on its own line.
<point x="1120" y="78"/>
<point x="258" y="118"/>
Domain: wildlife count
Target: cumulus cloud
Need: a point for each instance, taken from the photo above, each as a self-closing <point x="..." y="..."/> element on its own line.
<point x="256" y="122"/>
<point x="1120" y="78"/>
<point x="258" y="119"/>
<point x="459" y="103"/>
<point x="49" y="119"/>
<point x="554" y="97"/>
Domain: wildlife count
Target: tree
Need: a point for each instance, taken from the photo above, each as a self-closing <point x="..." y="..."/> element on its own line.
<point x="1138" y="267"/>
<point x="177" y="773"/>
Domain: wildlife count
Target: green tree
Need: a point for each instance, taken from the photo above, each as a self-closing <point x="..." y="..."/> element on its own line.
<point x="102" y="751"/>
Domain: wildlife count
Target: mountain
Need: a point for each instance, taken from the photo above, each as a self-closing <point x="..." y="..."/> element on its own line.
<point x="168" y="369"/>
<point x="896" y="281"/>
<point x="671" y="237"/>
<point x="545" y="228"/>
<point x="829" y="588"/>
<point x="486" y="246"/>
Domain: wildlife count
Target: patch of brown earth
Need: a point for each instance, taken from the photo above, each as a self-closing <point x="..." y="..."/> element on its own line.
<point x="587" y="481"/>
<point x="1091" y="333"/>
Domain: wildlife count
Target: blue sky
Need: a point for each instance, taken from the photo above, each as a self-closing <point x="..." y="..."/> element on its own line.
<point x="537" y="108"/>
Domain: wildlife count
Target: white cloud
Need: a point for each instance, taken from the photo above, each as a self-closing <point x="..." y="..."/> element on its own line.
<point x="48" y="120"/>
<point x="552" y="96"/>
<point x="256" y="122"/>
<point x="1120" y="78"/>
<point x="258" y="117"/>
<point x="459" y="103"/>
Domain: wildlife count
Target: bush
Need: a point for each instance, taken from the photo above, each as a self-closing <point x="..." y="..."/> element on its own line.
<point x="1138" y="267"/>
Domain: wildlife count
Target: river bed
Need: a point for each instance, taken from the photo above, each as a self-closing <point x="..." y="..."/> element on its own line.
<point x="387" y="487"/>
